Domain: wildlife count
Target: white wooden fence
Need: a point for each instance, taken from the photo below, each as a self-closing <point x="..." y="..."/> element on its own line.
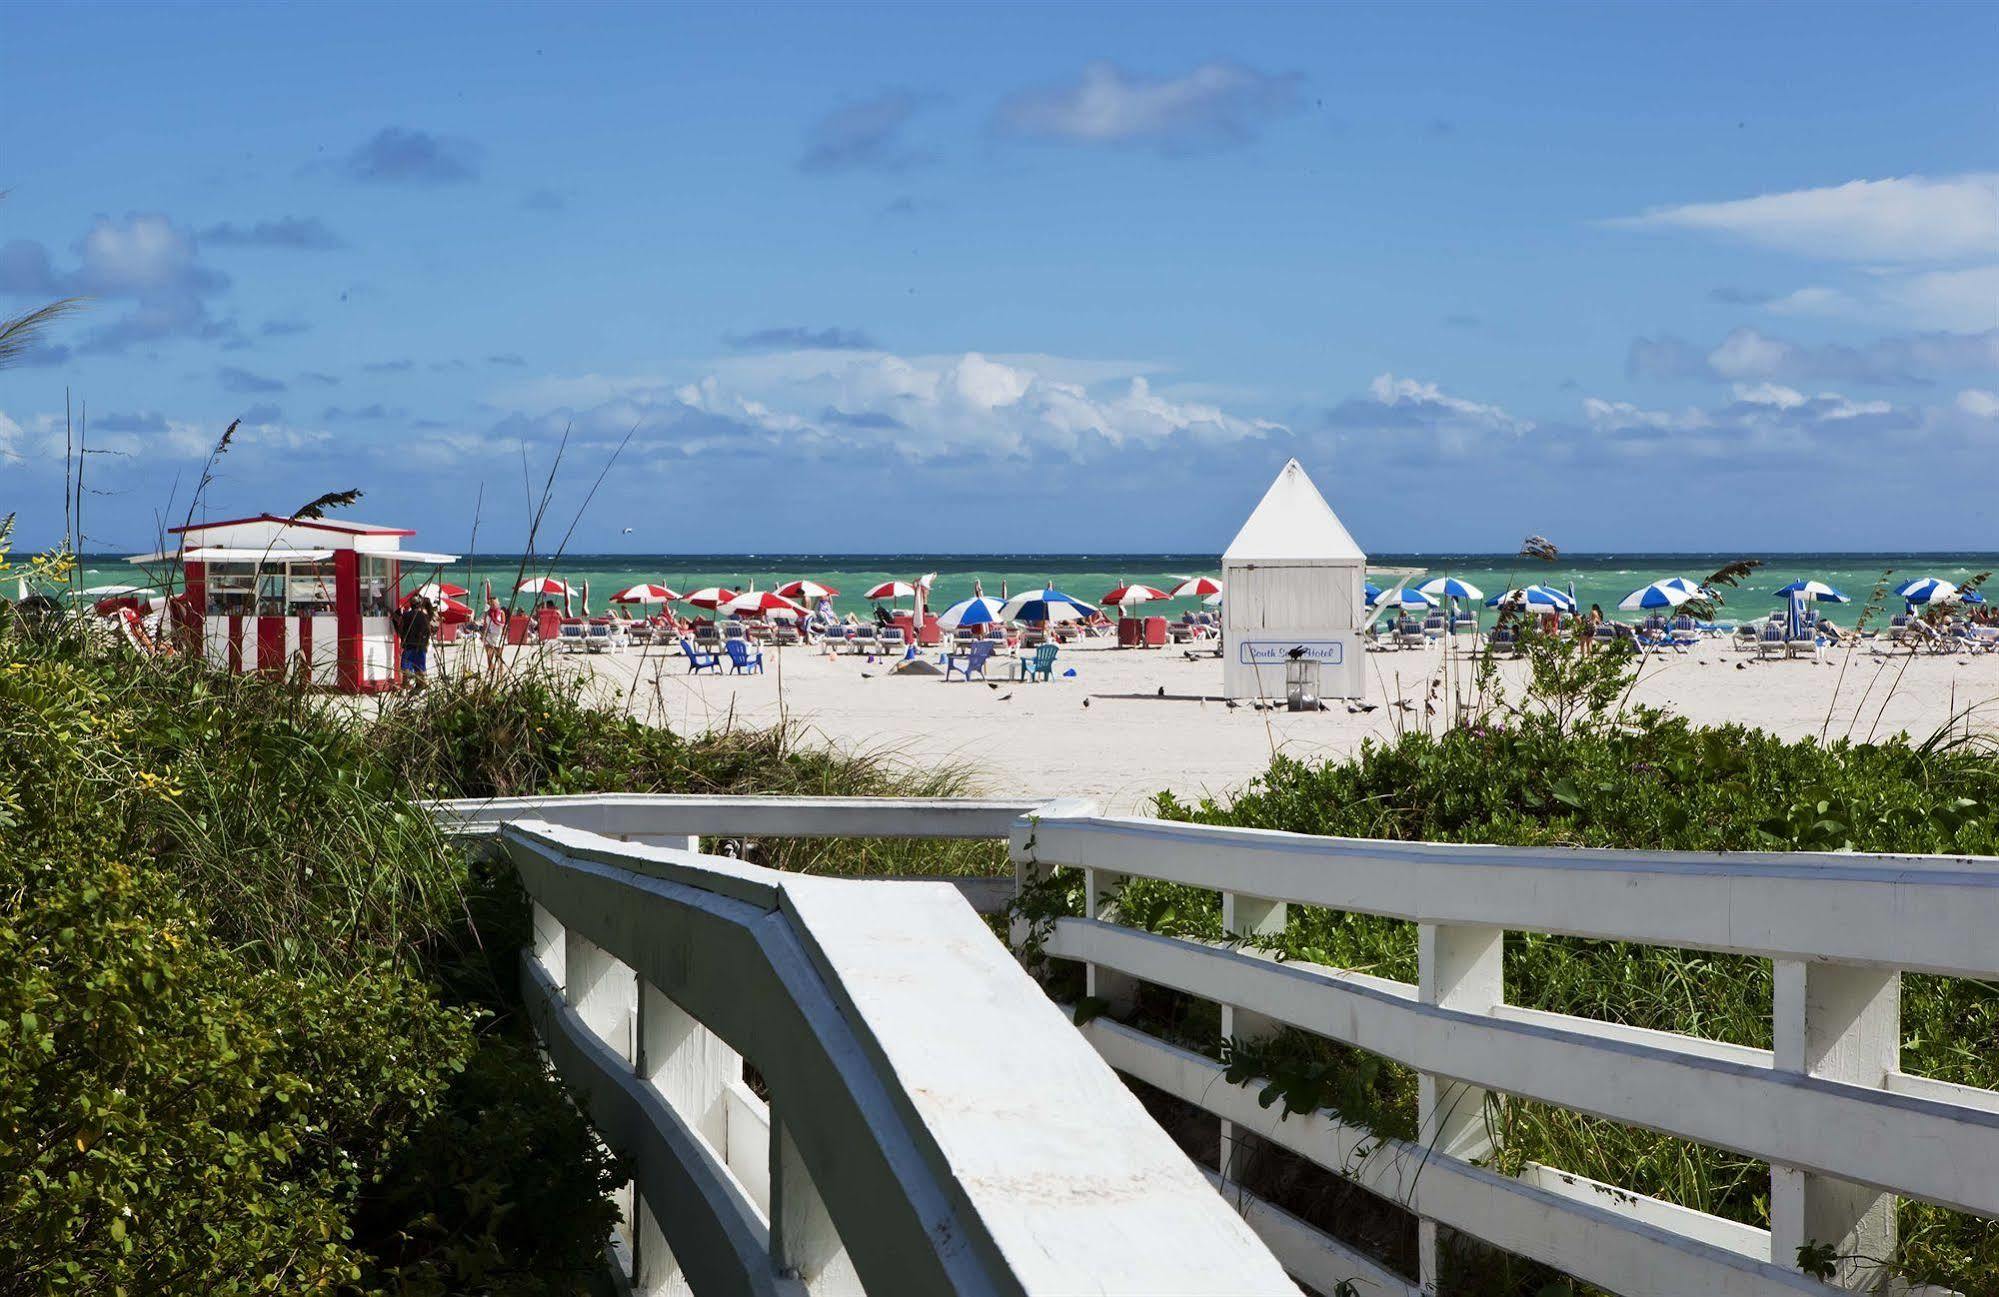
<point x="880" y="1019"/>
<point x="934" y="1123"/>
<point x="1845" y="1131"/>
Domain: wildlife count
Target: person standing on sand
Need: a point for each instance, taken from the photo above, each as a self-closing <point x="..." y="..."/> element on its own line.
<point x="412" y="626"/>
<point x="493" y="631"/>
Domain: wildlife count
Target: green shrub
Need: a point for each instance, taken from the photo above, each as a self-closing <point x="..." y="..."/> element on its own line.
<point x="1653" y="782"/>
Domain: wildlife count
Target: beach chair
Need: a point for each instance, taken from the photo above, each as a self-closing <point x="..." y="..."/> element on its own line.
<point x="894" y="639"/>
<point x="1464" y="623"/>
<point x="865" y="639"/>
<point x="741" y="660"/>
<point x="599" y="637"/>
<point x="1042" y="665"/>
<point x="697" y="661"/>
<point x="1898" y="627"/>
<point x="1409" y="633"/>
<point x="1033" y="635"/>
<point x="1506" y="639"/>
<point x="708" y="636"/>
<point x="1770" y="640"/>
<point x="1433" y="626"/>
<point x="972" y="661"/>
<point x="784" y="633"/>
<point x="570" y="636"/>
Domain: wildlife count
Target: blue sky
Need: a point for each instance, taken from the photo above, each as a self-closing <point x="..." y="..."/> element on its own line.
<point x="976" y="279"/>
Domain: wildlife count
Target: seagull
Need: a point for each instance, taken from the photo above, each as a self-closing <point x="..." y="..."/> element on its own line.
<point x="1003" y="697"/>
<point x="1230" y="703"/>
<point x="991" y="685"/>
<point x="1086" y="702"/>
<point x="1162" y="691"/>
<point x="628" y="531"/>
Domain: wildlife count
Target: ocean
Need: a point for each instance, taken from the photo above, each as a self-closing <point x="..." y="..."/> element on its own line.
<point x="1597" y="578"/>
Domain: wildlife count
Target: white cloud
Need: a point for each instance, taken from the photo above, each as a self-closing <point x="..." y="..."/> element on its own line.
<point x="1909" y="220"/>
<point x="1946" y="299"/>
<point x="1978" y="403"/>
<point x="914" y="407"/>
<point x="1215" y="103"/>
<point x="1387" y="389"/>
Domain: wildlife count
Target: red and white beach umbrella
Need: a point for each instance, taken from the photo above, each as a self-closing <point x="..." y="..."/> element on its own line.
<point x="809" y="590"/>
<point x="1197" y="587"/>
<point x="1126" y="595"/>
<point x="713" y="596"/>
<point x="545" y="585"/>
<point x="892" y="590"/>
<point x="453" y="613"/>
<point x="645" y="593"/>
<point x="767" y="602"/>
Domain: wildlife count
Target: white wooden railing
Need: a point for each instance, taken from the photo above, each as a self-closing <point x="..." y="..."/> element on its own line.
<point x="934" y="1123"/>
<point x="880" y="1019"/>
<point x="1843" y="1129"/>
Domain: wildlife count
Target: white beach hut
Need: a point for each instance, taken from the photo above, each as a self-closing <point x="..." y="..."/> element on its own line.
<point x="1294" y="578"/>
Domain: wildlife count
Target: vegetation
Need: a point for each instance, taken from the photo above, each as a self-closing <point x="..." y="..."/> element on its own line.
<point x="1568" y="768"/>
<point x="260" y="1033"/>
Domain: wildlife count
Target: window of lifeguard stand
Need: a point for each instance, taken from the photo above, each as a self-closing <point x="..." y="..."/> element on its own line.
<point x="378" y="586"/>
<point x="232" y="588"/>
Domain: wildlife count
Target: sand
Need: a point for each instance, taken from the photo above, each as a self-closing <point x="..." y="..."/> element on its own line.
<point x="1108" y="734"/>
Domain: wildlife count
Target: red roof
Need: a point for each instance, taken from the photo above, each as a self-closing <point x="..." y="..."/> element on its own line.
<point x="315" y="524"/>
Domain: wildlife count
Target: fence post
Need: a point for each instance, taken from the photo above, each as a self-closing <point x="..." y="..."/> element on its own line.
<point x="803" y="1243"/>
<point x="1117" y="991"/>
<point x="1245" y="916"/>
<point x="604" y="993"/>
<point x="688" y="1064"/>
<point x="1459" y="966"/>
<point x="1842" y="1023"/>
<point x="547" y="943"/>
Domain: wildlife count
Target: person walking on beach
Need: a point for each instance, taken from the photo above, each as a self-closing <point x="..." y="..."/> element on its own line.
<point x="493" y="631"/>
<point x="412" y="626"/>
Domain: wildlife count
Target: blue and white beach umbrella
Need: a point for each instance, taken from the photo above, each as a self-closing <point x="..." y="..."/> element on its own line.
<point x="1534" y="598"/>
<point x="1818" y="590"/>
<point x="1047" y="604"/>
<point x="1927" y="589"/>
<point x="1669" y="593"/>
<point x="971" y="612"/>
<point x="1449" y="587"/>
<point x="1372" y="591"/>
<point x="1405" y="598"/>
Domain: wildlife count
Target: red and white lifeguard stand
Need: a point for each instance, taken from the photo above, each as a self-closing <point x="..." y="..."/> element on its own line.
<point x="287" y="596"/>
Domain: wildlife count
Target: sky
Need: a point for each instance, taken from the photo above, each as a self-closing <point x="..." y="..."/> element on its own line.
<point x="1005" y="279"/>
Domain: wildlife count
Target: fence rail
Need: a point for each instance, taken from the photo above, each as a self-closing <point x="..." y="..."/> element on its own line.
<point x="933" y="1124"/>
<point x="883" y="1018"/>
<point x="1845" y="1131"/>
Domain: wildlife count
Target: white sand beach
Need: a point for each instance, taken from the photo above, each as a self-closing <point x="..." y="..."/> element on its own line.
<point x="1108" y="733"/>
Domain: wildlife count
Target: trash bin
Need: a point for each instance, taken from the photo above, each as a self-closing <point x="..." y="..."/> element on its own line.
<point x="1301" y="685"/>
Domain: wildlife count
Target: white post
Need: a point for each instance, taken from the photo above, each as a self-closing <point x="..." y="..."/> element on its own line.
<point x="547" y="942"/>
<point x="1245" y="916"/>
<point x="1459" y="966"/>
<point x="604" y="994"/>
<point x="1844" y="1024"/>
<point x="657" y="1270"/>
<point x="688" y="1064"/>
<point x="803" y="1243"/>
<point x="1106" y="984"/>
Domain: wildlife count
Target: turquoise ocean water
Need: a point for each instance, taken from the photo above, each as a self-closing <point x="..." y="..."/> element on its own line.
<point x="1597" y="578"/>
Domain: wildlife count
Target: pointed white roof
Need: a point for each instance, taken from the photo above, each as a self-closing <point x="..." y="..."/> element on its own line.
<point x="1293" y="524"/>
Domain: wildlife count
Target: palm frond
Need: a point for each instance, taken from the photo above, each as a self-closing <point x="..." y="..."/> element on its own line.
<point x="331" y="500"/>
<point x="24" y="331"/>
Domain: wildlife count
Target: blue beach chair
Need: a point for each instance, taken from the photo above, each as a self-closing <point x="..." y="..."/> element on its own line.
<point x="741" y="660"/>
<point x="973" y="660"/>
<point x="1042" y="665"/>
<point x="698" y="661"/>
